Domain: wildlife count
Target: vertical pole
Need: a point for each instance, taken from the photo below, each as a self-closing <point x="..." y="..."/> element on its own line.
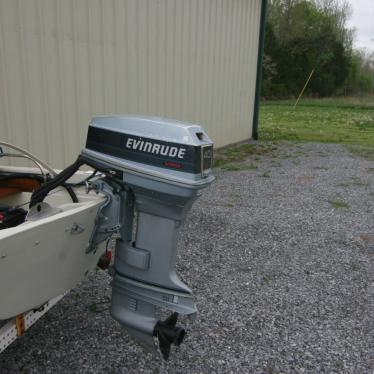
<point x="305" y="86"/>
<point x="260" y="57"/>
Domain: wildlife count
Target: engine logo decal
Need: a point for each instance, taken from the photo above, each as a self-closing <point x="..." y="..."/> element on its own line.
<point x="160" y="153"/>
<point x="156" y="148"/>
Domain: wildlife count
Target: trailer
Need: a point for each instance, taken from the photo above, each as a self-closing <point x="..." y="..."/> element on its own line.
<point x="16" y="327"/>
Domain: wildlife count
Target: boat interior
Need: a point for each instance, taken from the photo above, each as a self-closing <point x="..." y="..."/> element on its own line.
<point x="18" y="183"/>
<point x="15" y="192"/>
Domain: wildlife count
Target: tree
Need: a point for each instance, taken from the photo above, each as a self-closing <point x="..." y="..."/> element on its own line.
<point x="305" y="35"/>
<point x="361" y="74"/>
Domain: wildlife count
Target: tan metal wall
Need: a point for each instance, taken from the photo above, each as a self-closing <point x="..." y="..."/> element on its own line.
<point x="64" y="61"/>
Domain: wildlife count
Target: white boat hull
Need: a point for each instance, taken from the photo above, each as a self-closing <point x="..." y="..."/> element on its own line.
<point x="44" y="258"/>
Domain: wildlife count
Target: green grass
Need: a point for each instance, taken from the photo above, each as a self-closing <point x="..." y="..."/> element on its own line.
<point x="239" y="166"/>
<point x="229" y="157"/>
<point x="265" y="174"/>
<point x="346" y="120"/>
<point x="365" y="152"/>
<point x="363" y="102"/>
<point x="354" y="182"/>
<point x="337" y="204"/>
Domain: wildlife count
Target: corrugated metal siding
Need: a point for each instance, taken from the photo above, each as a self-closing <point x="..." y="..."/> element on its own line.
<point x="64" y="61"/>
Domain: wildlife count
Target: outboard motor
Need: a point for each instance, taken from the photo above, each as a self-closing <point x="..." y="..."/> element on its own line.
<point x="163" y="165"/>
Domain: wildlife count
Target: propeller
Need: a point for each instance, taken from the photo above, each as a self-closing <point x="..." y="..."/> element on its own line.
<point x="168" y="333"/>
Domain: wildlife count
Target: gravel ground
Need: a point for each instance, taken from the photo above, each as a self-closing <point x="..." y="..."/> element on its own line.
<point x="282" y="270"/>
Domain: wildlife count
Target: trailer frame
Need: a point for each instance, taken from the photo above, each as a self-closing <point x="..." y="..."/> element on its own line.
<point x="17" y="326"/>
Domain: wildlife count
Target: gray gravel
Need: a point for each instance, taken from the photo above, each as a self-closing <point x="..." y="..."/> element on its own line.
<point x="283" y="280"/>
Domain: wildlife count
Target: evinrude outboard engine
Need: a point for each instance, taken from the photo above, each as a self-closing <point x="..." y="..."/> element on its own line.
<point x="163" y="166"/>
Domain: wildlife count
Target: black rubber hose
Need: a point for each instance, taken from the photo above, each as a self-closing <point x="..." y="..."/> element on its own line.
<point x="59" y="180"/>
<point x="71" y="192"/>
<point x="40" y="193"/>
<point x="39" y="179"/>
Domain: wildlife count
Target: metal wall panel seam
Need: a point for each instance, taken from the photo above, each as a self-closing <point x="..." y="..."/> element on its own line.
<point x="5" y="86"/>
<point x="61" y="120"/>
<point x="89" y="65"/>
<point x="25" y="83"/>
<point x="75" y="40"/>
<point x="234" y="96"/>
<point x="211" y="60"/>
<point x="44" y="94"/>
<point x="238" y="106"/>
<point x="242" y="98"/>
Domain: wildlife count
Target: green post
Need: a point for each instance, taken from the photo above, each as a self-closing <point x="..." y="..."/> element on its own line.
<point x="260" y="57"/>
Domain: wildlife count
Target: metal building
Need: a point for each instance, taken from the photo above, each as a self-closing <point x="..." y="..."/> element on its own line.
<point x="64" y="61"/>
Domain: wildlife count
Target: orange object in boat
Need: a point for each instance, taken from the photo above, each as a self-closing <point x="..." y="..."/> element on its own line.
<point x="13" y="185"/>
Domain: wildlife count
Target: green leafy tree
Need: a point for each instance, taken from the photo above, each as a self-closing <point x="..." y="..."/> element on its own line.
<point x="304" y="36"/>
<point x="360" y="78"/>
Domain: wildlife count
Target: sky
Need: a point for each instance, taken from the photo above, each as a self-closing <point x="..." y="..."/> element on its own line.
<point x="362" y="20"/>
